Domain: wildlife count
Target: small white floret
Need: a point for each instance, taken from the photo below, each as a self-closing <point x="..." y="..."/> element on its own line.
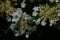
<point x="27" y="35"/>
<point x="34" y="13"/>
<point x="34" y="20"/>
<point x="23" y="5"/>
<point x="58" y="14"/>
<point x="56" y="20"/>
<point x="38" y="21"/>
<point x="17" y="34"/>
<point x="52" y="22"/>
<point x="35" y="8"/>
<point x="52" y="1"/>
<point x="15" y="20"/>
<point x="12" y="26"/>
<point x="43" y="23"/>
<point x="57" y="0"/>
<point x="22" y="32"/>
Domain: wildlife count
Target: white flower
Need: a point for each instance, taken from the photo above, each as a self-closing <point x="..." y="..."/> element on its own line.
<point x="27" y="35"/>
<point x="34" y="20"/>
<point x="14" y="14"/>
<point x="15" y="20"/>
<point x="22" y="32"/>
<point x="34" y="13"/>
<point x="17" y="14"/>
<point x="58" y="11"/>
<point x="38" y="21"/>
<point x="19" y="10"/>
<point x="57" y="0"/>
<point x="15" y="17"/>
<point x="23" y="4"/>
<point x="52" y="1"/>
<point x="43" y="23"/>
<point x="8" y="18"/>
<point x="17" y="34"/>
<point x="35" y="8"/>
<point x="58" y="14"/>
<point x="26" y="16"/>
<point x="29" y="17"/>
<point x="52" y="22"/>
<point x="56" y="20"/>
<point x="12" y="26"/>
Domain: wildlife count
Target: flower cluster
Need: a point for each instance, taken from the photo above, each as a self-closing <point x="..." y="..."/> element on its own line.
<point x="49" y="12"/>
<point x="6" y="7"/>
<point x="26" y="23"/>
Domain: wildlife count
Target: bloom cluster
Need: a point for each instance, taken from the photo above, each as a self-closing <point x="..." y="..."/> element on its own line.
<point x="26" y="23"/>
<point x="6" y="7"/>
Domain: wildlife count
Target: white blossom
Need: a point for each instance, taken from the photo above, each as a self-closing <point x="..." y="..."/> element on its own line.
<point x="34" y="13"/>
<point x="15" y="20"/>
<point x="27" y="35"/>
<point x="52" y="22"/>
<point x="34" y="20"/>
<point x="12" y="26"/>
<point x="19" y="10"/>
<point x="58" y="14"/>
<point x="58" y="11"/>
<point x="23" y="4"/>
<point x="22" y="32"/>
<point x="29" y="17"/>
<point x="8" y="19"/>
<point x="35" y="8"/>
<point x="26" y="16"/>
<point x="56" y="20"/>
<point x="17" y="14"/>
<point x="17" y="34"/>
<point x="38" y="21"/>
<point x="43" y="23"/>
<point x="57" y="0"/>
<point x="52" y="1"/>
